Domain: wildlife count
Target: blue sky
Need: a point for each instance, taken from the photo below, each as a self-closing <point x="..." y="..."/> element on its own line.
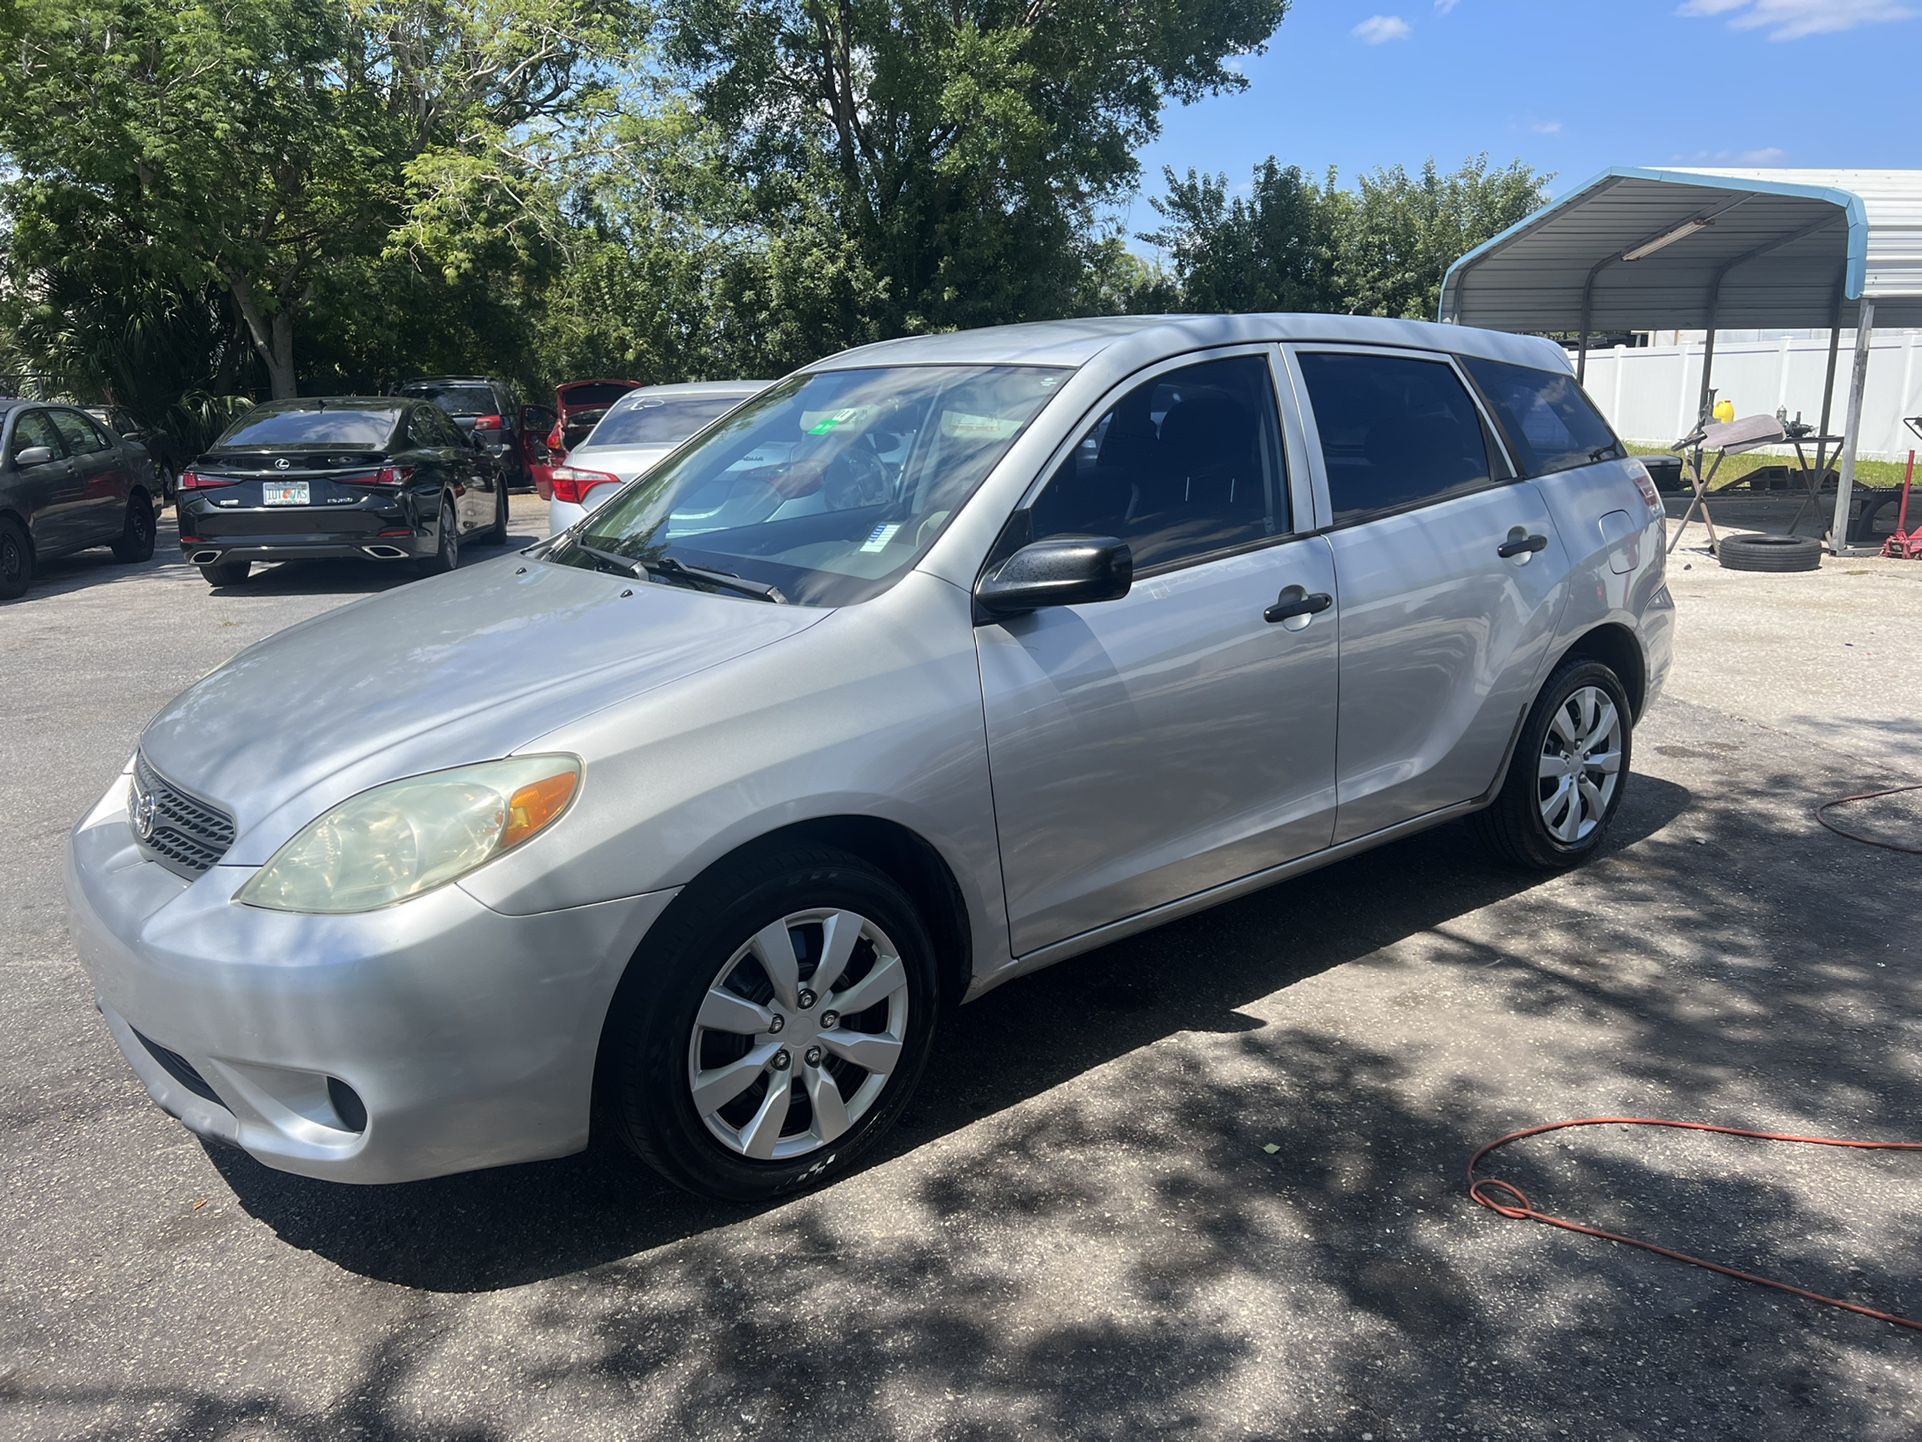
<point x="1571" y="86"/>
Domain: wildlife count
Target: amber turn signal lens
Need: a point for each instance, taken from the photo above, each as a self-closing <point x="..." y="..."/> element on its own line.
<point x="533" y="806"/>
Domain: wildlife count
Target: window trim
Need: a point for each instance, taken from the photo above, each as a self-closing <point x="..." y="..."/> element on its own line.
<point x="1294" y="478"/>
<point x="1502" y="468"/>
<point x="104" y="442"/>
<point x="20" y="417"/>
<point x="1621" y="450"/>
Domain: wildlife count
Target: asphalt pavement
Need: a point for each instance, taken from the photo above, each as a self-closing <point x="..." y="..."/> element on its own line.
<point x="1207" y="1182"/>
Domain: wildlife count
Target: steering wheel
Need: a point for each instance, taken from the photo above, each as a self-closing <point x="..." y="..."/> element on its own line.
<point x="854" y="478"/>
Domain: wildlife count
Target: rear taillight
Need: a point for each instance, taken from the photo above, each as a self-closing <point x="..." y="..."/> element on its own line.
<point x="1645" y="483"/>
<point x="194" y="481"/>
<point x="385" y="476"/>
<point x="487" y="423"/>
<point x="556" y="442"/>
<point x="571" y="484"/>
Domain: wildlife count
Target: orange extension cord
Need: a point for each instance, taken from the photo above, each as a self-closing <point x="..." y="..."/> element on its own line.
<point x="1518" y="1208"/>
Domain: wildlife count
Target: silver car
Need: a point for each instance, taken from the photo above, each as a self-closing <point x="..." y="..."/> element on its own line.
<point x="639" y="430"/>
<point x="940" y="661"/>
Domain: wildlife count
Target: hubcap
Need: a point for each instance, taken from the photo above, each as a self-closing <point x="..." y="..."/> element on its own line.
<point x="774" y="1079"/>
<point x="10" y="559"/>
<point x="1580" y="765"/>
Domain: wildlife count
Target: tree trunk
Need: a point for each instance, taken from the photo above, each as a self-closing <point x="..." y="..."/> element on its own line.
<point x="272" y="335"/>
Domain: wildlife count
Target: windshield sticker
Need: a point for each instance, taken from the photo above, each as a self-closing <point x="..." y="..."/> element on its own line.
<point x="879" y="537"/>
<point x="960" y="426"/>
<point x="827" y="423"/>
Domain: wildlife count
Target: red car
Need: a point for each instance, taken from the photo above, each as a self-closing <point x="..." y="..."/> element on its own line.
<point x="578" y="407"/>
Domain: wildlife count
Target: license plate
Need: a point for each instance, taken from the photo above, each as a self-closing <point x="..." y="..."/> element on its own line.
<point x="285" y="493"/>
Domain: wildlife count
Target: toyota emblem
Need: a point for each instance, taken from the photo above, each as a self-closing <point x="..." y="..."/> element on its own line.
<point x="282" y="464"/>
<point x="143" y="816"/>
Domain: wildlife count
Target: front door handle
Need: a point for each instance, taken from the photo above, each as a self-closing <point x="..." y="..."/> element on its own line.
<point x="1297" y="603"/>
<point x="1521" y="543"/>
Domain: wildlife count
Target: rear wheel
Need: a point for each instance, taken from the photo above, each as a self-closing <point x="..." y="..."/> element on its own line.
<point x="496" y="534"/>
<point x="16" y="559"/>
<point x="446" y="555"/>
<point x="136" y="535"/>
<point x="1570" y="767"/>
<point x="226" y="573"/>
<point x="775" y="1028"/>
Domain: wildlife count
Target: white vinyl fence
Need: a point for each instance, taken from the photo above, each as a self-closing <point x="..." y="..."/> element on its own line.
<point x="1650" y="393"/>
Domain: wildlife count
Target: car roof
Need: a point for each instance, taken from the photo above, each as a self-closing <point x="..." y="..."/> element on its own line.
<point x="339" y="403"/>
<point x="686" y="389"/>
<point x="451" y="380"/>
<point x="1141" y="339"/>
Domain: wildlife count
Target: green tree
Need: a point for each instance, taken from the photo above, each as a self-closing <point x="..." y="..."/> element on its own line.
<point x="923" y="164"/>
<point x="1289" y="244"/>
<point x="273" y="147"/>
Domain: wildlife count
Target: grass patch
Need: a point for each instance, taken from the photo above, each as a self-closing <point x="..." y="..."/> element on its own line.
<point x="1886" y="474"/>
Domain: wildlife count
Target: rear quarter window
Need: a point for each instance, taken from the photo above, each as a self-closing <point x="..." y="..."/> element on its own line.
<point x="1549" y="423"/>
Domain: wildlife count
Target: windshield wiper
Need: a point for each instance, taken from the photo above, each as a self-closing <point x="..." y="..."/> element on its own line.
<point x="608" y="561"/>
<point x="715" y="580"/>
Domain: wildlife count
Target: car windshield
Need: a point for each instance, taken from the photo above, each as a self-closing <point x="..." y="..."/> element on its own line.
<point x="346" y="426"/>
<point x="456" y="400"/>
<point x="660" y="420"/>
<point x="825" y="488"/>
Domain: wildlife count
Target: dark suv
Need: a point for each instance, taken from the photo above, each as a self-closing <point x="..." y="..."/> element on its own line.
<point x="488" y="410"/>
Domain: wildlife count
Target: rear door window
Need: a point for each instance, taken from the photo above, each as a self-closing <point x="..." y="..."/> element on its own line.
<point x="83" y="437"/>
<point x="1183" y="466"/>
<point x="1550" y="424"/>
<point x="1396" y="431"/>
<point x="456" y="399"/>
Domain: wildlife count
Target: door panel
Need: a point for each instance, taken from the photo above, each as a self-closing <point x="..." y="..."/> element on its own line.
<point x="101" y="508"/>
<point x="52" y="494"/>
<point x="1148" y="748"/>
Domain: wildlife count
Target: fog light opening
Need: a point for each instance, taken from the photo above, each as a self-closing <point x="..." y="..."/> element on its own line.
<point x="349" y="1109"/>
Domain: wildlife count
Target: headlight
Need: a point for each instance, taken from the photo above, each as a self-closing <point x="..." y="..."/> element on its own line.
<point x="410" y="836"/>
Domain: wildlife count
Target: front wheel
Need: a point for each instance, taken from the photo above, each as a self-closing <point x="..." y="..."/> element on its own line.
<point x="775" y="1028"/>
<point x="16" y="559"/>
<point x="1568" y="773"/>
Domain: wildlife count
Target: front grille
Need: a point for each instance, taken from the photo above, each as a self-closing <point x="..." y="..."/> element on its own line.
<point x="180" y="1069"/>
<point x="186" y="834"/>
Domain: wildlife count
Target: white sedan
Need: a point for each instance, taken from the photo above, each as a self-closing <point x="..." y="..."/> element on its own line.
<point x="637" y="432"/>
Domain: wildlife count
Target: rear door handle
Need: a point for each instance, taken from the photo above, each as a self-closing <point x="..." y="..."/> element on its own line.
<point x="1521" y="543"/>
<point x="1296" y="601"/>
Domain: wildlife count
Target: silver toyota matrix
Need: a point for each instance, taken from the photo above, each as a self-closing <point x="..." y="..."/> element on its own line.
<point x="934" y="663"/>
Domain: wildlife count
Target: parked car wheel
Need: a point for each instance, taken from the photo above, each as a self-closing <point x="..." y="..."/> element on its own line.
<point x="780" y="1024"/>
<point x="136" y="535"/>
<point x="226" y="573"/>
<point x="446" y="555"/>
<point x="496" y="534"/>
<point x="16" y="559"/>
<point x="1769" y="553"/>
<point x="1568" y="773"/>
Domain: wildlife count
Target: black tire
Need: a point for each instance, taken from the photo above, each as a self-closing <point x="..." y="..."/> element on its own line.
<point x="136" y="533"/>
<point x="1769" y="553"/>
<point x="645" y="1048"/>
<point x="496" y="534"/>
<point x="446" y="555"/>
<point x="1513" y="827"/>
<point x="226" y="573"/>
<point x="16" y="559"/>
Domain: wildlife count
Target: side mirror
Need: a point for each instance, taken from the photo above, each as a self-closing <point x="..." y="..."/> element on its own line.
<point x="1060" y="571"/>
<point x="32" y="456"/>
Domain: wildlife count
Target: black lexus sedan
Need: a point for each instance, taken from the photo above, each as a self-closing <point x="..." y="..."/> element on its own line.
<point x="387" y="478"/>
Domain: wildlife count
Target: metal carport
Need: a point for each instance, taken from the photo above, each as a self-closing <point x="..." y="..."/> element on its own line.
<point x="1640" y="249"/>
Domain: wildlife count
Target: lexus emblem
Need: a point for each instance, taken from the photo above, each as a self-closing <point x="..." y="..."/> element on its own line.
<point x="143" y="816"/>
<point x="282" y="464"/>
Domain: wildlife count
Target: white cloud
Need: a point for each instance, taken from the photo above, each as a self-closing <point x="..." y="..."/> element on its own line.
<point x="1546" y="127"/>
<point x="1380" y="29"/>
<point x="1767" y="155"/>
<point x="1443" y="7"/>
<point x="1764" y="155"/>
<point x="1796" y="19"/>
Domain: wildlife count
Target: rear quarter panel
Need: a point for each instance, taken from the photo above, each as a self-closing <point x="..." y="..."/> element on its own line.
<point x="1617" y="562"/>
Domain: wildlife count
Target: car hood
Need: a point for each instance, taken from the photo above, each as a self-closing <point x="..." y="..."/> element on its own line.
<point x="439" y="673"/>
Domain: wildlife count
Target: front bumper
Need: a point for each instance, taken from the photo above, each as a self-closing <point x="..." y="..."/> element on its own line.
<point x="468" y="1036"/>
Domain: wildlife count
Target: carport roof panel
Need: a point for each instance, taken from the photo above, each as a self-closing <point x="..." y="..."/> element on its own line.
<point x="1781" y="241"/>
